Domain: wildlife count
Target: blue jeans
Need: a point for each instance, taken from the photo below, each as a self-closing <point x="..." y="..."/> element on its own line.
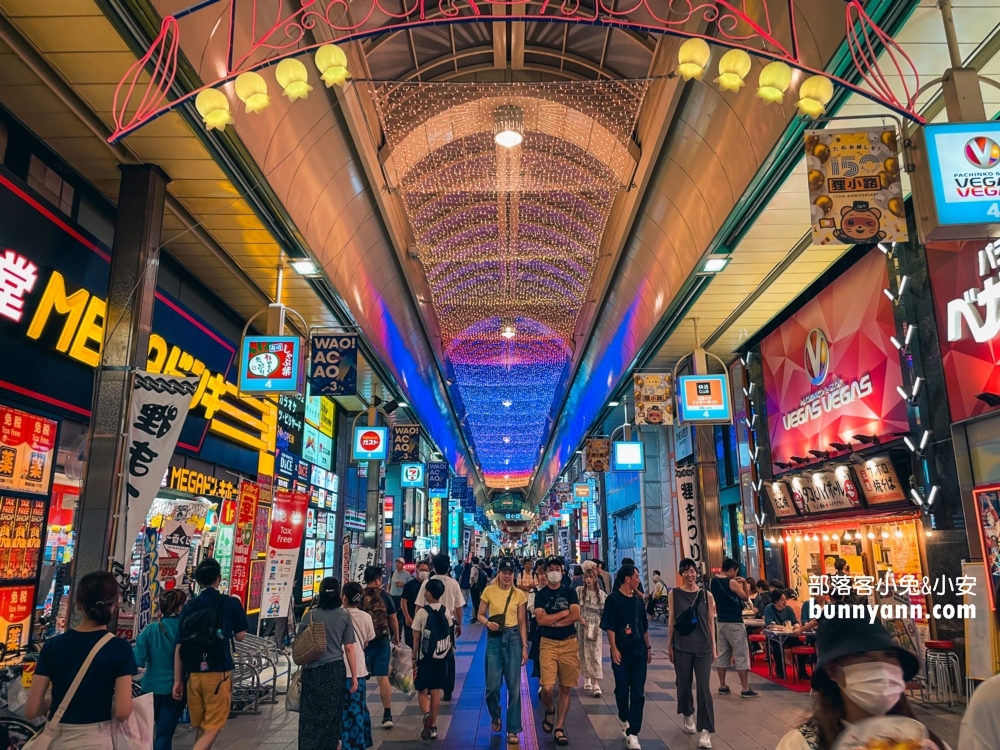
<point x="503" y="663"/>
<point x="166" y="713"/>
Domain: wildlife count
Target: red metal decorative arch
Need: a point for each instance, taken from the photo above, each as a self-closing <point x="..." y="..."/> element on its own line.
<point x="136" y="104"/>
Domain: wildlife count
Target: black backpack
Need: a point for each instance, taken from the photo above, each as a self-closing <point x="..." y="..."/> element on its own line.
<point x="201" y="636"/>
<point x="435" y="641"/>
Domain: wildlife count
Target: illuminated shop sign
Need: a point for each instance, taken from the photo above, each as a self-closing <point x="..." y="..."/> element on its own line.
<point x="194" y="482"/>
<point x="704" y="399"/>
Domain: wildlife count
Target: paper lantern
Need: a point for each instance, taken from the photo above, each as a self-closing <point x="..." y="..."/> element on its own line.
<point x="774" y="81"/>
<point x="213" y="106"/>
<point x="733" y="68"/>
<point x="814" y="94"/>
<point x="692" y="59"/>
<point x="332" y="64"/>
<point x="293" y="78"/>
<point x="251" y="88"/>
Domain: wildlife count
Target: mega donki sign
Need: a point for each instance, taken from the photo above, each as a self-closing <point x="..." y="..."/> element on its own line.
<point x="831" y="371"/>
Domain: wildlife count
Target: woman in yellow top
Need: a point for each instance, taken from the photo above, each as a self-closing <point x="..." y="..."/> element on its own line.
<point x="502" y="611"/>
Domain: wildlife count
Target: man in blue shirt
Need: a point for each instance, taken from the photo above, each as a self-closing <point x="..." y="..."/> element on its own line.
<point x="204" y="655"/>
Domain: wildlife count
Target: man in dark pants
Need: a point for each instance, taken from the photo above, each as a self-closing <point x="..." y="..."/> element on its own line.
<point x="625" y="621"/>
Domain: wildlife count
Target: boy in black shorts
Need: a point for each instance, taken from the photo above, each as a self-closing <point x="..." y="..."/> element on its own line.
<point x="431" y="646"/>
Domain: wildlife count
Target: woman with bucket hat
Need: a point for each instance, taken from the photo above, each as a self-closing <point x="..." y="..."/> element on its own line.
<point x="859" y="684"/>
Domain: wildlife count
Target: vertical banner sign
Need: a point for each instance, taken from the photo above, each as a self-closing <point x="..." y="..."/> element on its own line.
<point x="333" y="370"/>
<point x="437" y="475"/>
<point x="405" y="444"/>
<point x="16" y="605"/>
<point x="654" y="397"/>
<point x="457" y="490"/>
<point x="288" y="523"/>
<point x="156" y="417"/>
<point x="175" y="539"/>
<point x="598" y="454"/>
<point x="687" y="497"/>
<point x="224" y="539"/>
<point x="855" y="193"/>
<point x="148" y="585"/>
<point x="242" y="544"/>
<point x="361" y="559"/>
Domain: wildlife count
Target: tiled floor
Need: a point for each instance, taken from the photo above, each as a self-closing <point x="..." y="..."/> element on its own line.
<point x="741" y="724"/>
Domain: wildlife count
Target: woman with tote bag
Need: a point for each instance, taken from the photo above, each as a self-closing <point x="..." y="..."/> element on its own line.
<point x="90" y="671"/>
<point x="356" y="733"/>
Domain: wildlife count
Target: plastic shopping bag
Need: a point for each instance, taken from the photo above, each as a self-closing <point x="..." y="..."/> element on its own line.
<point x="136" y="732"/>
<point x="401" y="668"/>
<point x="294" y="695"/>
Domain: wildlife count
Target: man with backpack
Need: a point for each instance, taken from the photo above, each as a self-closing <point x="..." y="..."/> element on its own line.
<point x="380" y="606"/>
<point x="203" y="658"/>
<point x="432" y="649"/>
<point x="453" y="602"/>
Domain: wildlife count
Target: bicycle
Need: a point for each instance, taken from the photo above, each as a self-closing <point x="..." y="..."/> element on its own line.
<point x="15" y="730"/>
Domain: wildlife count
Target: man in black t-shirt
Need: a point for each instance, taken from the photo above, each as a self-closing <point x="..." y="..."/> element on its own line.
<point x="209" y="678"/>
<point x="731" y="593"/>
<point x="408" y="601"/>
<point x="557" y="608"/>
<point x="625" y="621"/>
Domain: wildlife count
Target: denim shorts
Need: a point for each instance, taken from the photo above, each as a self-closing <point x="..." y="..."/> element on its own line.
<point x="377" y="656"/>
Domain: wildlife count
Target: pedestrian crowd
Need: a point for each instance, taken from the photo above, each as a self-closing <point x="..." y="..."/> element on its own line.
<point x="531" y="611"/>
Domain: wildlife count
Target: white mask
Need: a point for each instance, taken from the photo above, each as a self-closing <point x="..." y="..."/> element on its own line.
<point x="874" y="686"/>
<point x="554" y="576"/>
<point x="656" y="579"/>
<point x="423" y="575"/>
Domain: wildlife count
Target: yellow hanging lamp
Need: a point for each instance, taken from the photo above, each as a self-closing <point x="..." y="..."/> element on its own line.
<point x="814" y="94"/>
<point x="733" y="68"/>
<point x="213" y="106"/>
<point x="331" y="61"/>
<point x="251" y="88"/>
<point x="293" y="78"/>
<point x="692" y="59"/>
<point x="774" y="80"/>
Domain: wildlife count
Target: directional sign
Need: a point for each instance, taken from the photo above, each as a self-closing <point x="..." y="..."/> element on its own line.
<point x="270" y="364"/>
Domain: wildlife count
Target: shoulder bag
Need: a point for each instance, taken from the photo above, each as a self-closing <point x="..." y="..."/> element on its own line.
<point x="687" y="620"/>
<point x="501" y="619"/>
<point x="44" y="739"/>
<point x="310" y="644"/>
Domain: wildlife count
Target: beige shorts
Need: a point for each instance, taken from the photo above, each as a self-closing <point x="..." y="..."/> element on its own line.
<point x="734" y="649"/>
<point x="559" y="661"/>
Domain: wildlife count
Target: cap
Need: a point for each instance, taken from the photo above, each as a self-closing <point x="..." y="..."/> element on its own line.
<point x="400" y="559"/>
<point x="845" y="636"/>
<point x="506" y="564"/>
<point x="555" y="560"/>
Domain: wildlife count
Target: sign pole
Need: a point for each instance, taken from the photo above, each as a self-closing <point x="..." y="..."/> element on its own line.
<point x="372" y="507"/>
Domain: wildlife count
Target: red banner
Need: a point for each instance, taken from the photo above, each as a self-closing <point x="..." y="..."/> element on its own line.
<point x="288" y="523"/>
<point x="967" y="321"/>
<point x="27" y="451"/>
<point x="240" y="575"/>
<point x="830" y="371"/>
<point x="16" y="605"/>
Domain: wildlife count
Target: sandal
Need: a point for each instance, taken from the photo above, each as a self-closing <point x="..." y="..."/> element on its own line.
<point x="560" y="736"/>
<point x="512" y="739"/>
<point x="425" y="731"/>
<point x="546" y="724"/>
<point x="496" y="726"/>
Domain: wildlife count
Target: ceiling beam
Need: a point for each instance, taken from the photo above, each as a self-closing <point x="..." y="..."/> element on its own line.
<point x="517" y="45"/>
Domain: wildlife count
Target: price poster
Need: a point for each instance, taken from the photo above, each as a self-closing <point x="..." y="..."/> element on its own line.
<point x="288" y="520"/>
<point x="27" y="451"/>
<point x="16" y="604"/>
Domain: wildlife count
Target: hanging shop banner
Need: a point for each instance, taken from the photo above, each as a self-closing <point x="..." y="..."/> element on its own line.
<point x="987" y="501"/>
<point x="405" y="443"/>
<point x="411" y="475"/>
<point x="704" y="399"/>
<point x="245" y="514"/>
<point x="370" y="443"/>
<point x="333" y="369"/>
<point x="361" y="559"/>
<point x="597" y="454"/>
<point x="16" y="605"/>
<point x="964" y="278"/>
<point x="288" y="516"/>
<point x="690" y="523"/>
<point x="585" y="522"/>
<point x="831" y="371"/>
<point x="564" y="493"/>
<point x="173" y="554"/>
<point x="855" y="194"/>
<point x="225" y="537"/>
<point x="270" y="364"/>
<point x="435" y="514"/>
<point x="654" y="397"/>
<point x="437" y="475"/>
<point x="22" y="523"/>
<point x="879" y="481"/>
<point x="156" y="417"/>
<point x="683" y="442"/>
<point x="469" y="501"/>
<point x="457" y="488"/>
<point x="824" y="491"/>
<point x="149" y="574"/>
<point x="27" y="452"/>
<point x="780" y="495"/>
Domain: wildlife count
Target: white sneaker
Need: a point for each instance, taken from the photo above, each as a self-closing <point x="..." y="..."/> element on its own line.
<point x="587" y="685"/>
<point x="597" y="691"/>
<point x="624" y="726"/>
<point x="706" y="739"/>
<point x="689" y="726"/>
<point x="632" y="742"/>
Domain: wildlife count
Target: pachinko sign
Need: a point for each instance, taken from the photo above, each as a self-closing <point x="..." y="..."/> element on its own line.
<point x="831" y="370"/>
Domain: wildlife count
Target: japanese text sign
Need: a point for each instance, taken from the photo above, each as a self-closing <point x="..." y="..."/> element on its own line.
<point x="654" y="402"/>
<point x="704" y="399"/>
<point x="370" y="443"/>
<point x="597" y="454"/>
<point x="243" y="540"/>
<point x="270" y="364"/>
<point x="27" y="451"/>
<point x="288" y="519"/>
<point x="879" y="481"/>
<point x="690" y="523"/>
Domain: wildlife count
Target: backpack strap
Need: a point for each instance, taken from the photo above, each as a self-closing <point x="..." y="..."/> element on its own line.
<point x="64" y="703"/>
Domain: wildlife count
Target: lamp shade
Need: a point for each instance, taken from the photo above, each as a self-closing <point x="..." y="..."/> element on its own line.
<point x="331" y="61"/>
<point x="692" y="59"/>
<point x="814" y="94"/>
<point x="774" y="80"/>
<point x="293" y="78"/>
<point x="251" y="88"/>
<point x="733" y="68"/>
<point x="213" y="106"/>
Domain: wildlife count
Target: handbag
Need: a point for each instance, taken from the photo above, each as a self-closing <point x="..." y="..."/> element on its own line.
<point x="310" y="644"/>
<point x="501" y="619"/>
<point x="137" y="731"/>
<point x="43" y="740"/>
<point x="293" y="696"/>
<point x="687" y="620"/>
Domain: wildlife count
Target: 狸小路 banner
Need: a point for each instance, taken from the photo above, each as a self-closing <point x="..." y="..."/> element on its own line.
<point x="855" y="193"/>
<point x="654" y="397"/>
<point x="597" y="454"/>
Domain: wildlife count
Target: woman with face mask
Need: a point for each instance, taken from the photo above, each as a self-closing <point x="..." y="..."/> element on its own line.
<point x="861" y="676"/>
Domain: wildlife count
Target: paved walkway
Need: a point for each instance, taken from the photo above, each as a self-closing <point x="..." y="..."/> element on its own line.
<point x="741" y="724"/>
